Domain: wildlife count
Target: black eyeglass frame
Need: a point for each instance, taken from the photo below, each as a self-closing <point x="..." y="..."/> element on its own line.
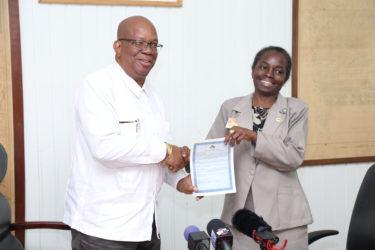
<point x="142" y="45"/>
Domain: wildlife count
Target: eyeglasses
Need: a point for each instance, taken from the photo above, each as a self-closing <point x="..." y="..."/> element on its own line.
<point x="142" y="45"/>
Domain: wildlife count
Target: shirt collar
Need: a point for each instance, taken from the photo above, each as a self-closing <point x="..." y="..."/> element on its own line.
<point x="130" y="82"/>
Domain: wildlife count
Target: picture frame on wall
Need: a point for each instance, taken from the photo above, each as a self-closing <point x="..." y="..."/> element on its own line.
<point x="333" y="69"/>
<point x="164" y="3"/>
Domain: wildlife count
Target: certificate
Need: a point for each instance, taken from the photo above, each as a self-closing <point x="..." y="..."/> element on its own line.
<point x="211" y="167"/>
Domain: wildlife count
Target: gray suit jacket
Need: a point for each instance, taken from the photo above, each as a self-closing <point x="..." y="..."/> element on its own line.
<point x="269" y="167"/>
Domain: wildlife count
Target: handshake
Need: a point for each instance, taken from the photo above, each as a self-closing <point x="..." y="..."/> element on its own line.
<point x="176" y="157"/>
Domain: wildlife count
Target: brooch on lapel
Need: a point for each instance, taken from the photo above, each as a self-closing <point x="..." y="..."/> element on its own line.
<point x="231" y="123"/>
<point x="283" y="111"/>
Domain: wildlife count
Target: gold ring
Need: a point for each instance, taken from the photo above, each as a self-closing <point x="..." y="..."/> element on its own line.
<point x="231" y="131"/>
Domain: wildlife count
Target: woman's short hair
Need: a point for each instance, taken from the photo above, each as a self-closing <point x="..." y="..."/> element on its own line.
<point x="277" y="49"/>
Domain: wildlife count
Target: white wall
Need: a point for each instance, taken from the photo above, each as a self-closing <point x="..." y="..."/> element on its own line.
<point x="209" y="47"/>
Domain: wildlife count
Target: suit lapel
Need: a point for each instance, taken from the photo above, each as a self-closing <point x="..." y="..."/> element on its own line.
<point x="276" y="115"/>
<point x="244" y="116"/>
<point x="242" y="108"/>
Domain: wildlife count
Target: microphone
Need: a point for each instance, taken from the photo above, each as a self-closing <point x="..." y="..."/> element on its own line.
<point x="250" y="224"/>
<point x="221" y="236"/>
<point x="197" y="240"/>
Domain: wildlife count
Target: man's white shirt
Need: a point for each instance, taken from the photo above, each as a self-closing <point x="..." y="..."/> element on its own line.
<point x="116" y="175"/>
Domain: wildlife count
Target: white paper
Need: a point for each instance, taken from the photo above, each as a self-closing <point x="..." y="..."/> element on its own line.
<point x="211" y="167"/>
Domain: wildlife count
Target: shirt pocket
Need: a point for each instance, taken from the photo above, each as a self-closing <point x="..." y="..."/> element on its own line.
<point x="129" y="127"/>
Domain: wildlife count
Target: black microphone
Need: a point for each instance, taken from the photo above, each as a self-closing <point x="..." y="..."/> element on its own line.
<point x="221" y="236"/>
<point x="197" y="240"/>
<point x="250" y="224"/>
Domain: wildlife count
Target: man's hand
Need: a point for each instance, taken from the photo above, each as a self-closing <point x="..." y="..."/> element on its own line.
<point x="178" y="159"/>
<point x="185" y="186"/>
<point x="185" y="155"/>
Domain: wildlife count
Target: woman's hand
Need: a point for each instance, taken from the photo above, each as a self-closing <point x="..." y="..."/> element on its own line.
<point x="237" y="134"/>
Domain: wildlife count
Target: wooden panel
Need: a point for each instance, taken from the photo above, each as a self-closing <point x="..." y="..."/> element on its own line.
<point x="11" y="110"/>
<point x="6" y="109"/>
<point x="336" y="77"/>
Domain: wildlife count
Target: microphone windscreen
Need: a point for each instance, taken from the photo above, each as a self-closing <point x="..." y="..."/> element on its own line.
<point x="246" y="222"/>
<point x="190" y="229"/>
<point x="215" y="224"/>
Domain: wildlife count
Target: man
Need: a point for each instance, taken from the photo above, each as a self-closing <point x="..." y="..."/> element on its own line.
<point x="121" y="155"/>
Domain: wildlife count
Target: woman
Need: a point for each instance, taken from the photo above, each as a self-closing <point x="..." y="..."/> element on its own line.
<point x="270" y="131"/>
